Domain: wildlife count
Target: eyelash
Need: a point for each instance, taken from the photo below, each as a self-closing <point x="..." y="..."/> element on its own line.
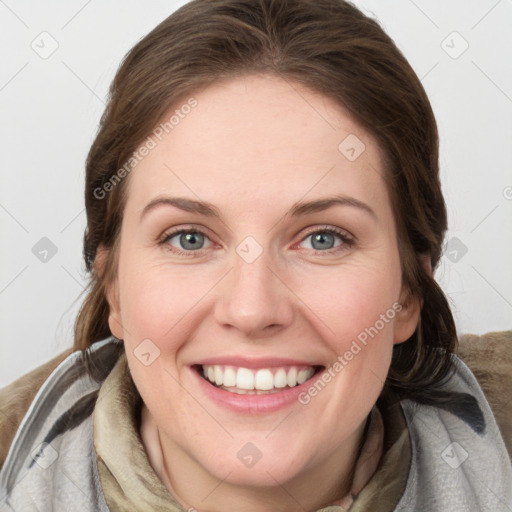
<point x="348" y="241"/>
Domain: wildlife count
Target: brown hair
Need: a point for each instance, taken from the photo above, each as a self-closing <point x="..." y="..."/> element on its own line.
<point x="332" y="48"/>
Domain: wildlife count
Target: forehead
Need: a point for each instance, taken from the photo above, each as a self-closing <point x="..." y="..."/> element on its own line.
<point x="259" y="137"/>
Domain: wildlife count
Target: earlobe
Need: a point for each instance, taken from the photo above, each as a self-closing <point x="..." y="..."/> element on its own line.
<point x="407" y="319"/>
<point x="114" y="315"/>
<point x="111" y="294"/>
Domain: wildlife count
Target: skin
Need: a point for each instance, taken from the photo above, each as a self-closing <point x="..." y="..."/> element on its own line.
<point x="254" y="146"/>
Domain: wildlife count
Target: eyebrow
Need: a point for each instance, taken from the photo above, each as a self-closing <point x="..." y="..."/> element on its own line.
<point x="298" y="209"/>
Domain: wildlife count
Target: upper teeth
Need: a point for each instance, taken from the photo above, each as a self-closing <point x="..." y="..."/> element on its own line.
<point x="262" y="379"/>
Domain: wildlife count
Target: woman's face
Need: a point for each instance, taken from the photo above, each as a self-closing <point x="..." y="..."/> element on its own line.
<point x="287" y="265"/>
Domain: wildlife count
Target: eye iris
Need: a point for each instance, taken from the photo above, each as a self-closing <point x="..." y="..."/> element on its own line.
<point x="322" y="237"/>
<point x="190" y="238"/>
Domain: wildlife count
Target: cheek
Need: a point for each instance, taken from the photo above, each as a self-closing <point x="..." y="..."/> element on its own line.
<point x="154" y="298"/>
<point x="352" y="300"/>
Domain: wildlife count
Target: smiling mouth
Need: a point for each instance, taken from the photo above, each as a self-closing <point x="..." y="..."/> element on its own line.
<point x="262" y="381"/>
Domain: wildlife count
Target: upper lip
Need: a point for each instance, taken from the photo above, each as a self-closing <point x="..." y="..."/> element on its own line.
<point x="245" y="362"/>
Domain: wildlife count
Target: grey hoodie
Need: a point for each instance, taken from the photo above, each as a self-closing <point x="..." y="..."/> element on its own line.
<point x="459" y="460"/>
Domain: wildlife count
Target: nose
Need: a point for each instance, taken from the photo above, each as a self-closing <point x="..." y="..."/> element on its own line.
<point x="254" y="298"/>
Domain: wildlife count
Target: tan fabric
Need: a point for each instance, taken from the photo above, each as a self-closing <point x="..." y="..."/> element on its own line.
<point x="489" y="357"/>
<point x="129" y="481"/>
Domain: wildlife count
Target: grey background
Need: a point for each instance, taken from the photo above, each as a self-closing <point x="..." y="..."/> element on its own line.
<point x="50" y="106"/>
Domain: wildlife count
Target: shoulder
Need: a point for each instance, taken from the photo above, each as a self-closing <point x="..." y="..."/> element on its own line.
<point x="50" y="406"/>
<point x="489" y="357"/>
<point x="16" y="398"/>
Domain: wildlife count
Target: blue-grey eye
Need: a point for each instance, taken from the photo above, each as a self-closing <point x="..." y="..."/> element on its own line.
<point x="191" y="240"/>
<point x="188" y="240"/>
<point x="325" y="239"/>
<point x="322" y="240"/>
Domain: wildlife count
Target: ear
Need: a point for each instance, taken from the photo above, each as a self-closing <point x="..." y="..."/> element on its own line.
<point x="111" y="293"/>
<point x="409" y="315"/>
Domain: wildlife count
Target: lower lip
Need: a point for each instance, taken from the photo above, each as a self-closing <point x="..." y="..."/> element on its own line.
<point x="252" y="404"/>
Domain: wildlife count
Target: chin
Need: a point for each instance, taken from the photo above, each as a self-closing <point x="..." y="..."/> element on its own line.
<point x="256" y="464"/>
<point x="260" y="475"/>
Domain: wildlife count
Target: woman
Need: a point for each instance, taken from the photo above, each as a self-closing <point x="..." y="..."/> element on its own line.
<point x="262" y="329"/>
